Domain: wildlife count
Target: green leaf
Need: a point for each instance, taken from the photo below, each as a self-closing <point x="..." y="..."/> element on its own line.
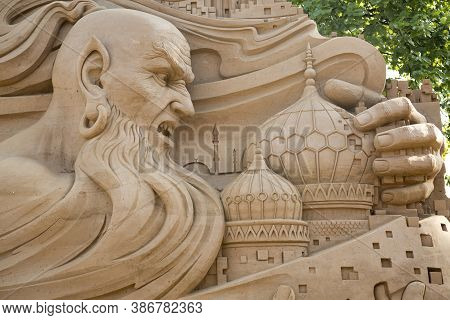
<point x="412" y="35"/>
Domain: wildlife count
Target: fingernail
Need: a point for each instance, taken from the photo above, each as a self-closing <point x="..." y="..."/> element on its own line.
<point x="381" y="165"/>
<point x="387" y="197"/>
<point x="385" y="140"/>
<point x="363" y="118"/>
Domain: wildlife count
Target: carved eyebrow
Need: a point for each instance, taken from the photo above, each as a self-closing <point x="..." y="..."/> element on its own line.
<point x="155" y="63"/>
<point x="178" y="60"/>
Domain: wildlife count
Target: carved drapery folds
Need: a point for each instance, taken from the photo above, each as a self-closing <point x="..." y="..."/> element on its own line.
<point x="30" y="33"/>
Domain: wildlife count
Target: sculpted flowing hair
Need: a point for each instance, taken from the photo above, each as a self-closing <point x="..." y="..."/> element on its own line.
<point x="134" y="225"/>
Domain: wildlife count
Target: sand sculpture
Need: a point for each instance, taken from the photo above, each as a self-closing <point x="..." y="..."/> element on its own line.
<point x="211" y="150"/>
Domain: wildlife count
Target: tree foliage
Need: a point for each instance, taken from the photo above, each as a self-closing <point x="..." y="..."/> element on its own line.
<point x="413" y="35"/>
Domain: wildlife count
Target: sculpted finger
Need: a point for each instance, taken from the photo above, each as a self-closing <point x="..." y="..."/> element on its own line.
<point x="409" y="194"/>
<point x="386" y="112"/>
<point x="428" y="165"/>
<point x="412" y="136"/>
<point x="345" y="94"/>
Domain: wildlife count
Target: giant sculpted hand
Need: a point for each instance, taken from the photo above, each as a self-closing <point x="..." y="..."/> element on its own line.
<point x="407" y="157"/>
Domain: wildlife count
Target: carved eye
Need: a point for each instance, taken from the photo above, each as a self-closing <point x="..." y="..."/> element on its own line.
<point x="178" y="84"/>
<point x="161" y="78"/>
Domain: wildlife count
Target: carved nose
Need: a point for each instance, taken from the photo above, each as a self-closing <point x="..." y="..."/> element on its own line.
<point x="184" y="109"/>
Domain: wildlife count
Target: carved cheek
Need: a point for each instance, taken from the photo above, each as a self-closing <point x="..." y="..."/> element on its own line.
<point x="163" y="96"/>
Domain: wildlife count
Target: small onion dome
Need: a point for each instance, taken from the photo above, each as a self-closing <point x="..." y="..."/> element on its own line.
<point x="258" y="193"/>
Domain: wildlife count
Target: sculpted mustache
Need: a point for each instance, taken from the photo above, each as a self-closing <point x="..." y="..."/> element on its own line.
<point x="150" y="146"/>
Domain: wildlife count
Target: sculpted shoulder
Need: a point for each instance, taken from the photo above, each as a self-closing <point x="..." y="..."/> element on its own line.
<point x="20" y="176"/>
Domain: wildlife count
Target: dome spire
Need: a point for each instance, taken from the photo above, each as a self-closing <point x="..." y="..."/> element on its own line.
<point x="258" y="162"/>
<point x="310" y="73"/>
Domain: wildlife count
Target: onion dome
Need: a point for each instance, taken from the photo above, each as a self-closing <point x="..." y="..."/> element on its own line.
<point x="314" y="144"/>
<point x="263" y="225"/>
<point x="314" y="141"/>
<point x="258" y="193"/>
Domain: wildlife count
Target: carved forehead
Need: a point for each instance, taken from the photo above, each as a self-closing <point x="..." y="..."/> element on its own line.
<point x="131" y="39"/>
<point x="175" y="49"/>
<point x="150" y="38"/>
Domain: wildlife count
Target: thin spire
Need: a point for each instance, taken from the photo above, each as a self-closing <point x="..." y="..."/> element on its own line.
<point x="215" y="134"/>
<point x="310" y="73"/>
<point x="215" y="141"/>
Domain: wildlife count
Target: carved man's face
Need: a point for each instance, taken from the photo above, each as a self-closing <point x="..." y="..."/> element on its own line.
<point x="149" y="83"/>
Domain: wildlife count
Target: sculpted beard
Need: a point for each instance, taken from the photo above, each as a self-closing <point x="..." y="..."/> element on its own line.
<point x="136" y="175"/>
<point x="133" y="225"/>
<point x="124" y="145"/>
<point x="122" y="161"/>
<point x="113" y="158"/>
<point x="127" y="157"/>
<point x="165" y="222"/>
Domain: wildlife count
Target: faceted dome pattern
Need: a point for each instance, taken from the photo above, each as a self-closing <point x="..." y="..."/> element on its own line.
<point x="314" y="141"/>
<point x="259" y="193"/>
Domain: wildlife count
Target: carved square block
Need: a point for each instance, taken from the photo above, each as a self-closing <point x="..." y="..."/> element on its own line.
<point x="348" y="273"/>
<point x="386" y="263"/>
<point x="222" y="263"/>
<point x="412" y="222"/>
<point x="302" y="288"/>
<point x="435" y="276"/>
<point x="262" y="255"/>
<point x="426" y="239"/>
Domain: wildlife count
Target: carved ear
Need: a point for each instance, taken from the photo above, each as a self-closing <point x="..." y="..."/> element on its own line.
<point x="93" y="63"/>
